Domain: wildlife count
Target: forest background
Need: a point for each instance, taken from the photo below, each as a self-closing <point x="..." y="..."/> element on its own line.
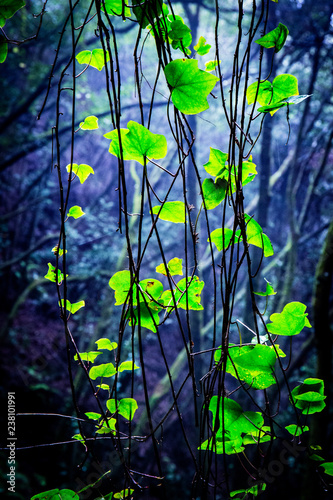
<point x="292" y="201"/>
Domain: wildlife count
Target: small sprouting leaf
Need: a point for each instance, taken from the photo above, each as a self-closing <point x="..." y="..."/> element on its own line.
<point x="58" y="251"/>
<point x="51" y="275"/>
<point x="87" y="356"/>
<point x="175" y="267"/>
<point x="269" y="290"/>
<point x="211" y="65"/>
<point x="180" y="35"/>
<point x="256" y="237"/>
<point x="137" y="143"/>
<point x="115" y="8"/>
<point x="94" y="58"/>
<point x="216" y="163"/>
<point x="126" y="407"/>
<point x="172" y="211"/>
<point x="328" y="467"/>
<point x="202" y="47"/>
<point x="214" y="192"/>
<point x="275" y="38"/>
<point x="309" y="396"/>
<point x="105" y="370"/>
<point x="89" y="123"/>
<point x="8" y="8"/>
<point x="92" y="415"/>
<point x="75" y="212"/>
<point x="106" y="344"/>
<point x="3" y="49"/>
<point x="296" y="430"/>
<point x="190" y="86"/>
<point x="73" y="308"/>
<point x="290" y="321"/>
<point x="105" y="387"/>
<point x="107" y="427"/>
<point x="127" y="366"/>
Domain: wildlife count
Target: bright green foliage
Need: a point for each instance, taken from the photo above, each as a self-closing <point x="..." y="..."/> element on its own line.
<point x="3" y="49"/>
<point x="251" y="364"/>
<point x="104" y="370"/>
<point x="105" y="387"/>
<point x="106" y="344"/>
<point x="202" y="47"/>
<point x="51" y="275"/>
<point x="75" y="212"/>
<point x="269" y="290"/>
<point x="256" y="237"/>
<point x="275" y="38"/>
<point x="296" y="430"/>
<point x="216" y="163"/>
<point x="94" y="58"/>
<point x="262" y="435"/>
<point x="137" y="143"/>
<point x="73" y="308"/>
<point x="249" y="172"/>
<point x="121" y="284"/>
<point x="270" y="95"/>
<point x="8" y="8"/>
<point x="145" y="12"/>
<point x="309" y="397"/>
<point x="328" y="467"/>
<point x="174" y="267"/>
<point x="92" y="415"/>
<point x="89" y="123"/>
<point x="180" y="35"/>
<point x="172" y="211"/>
<point x="127" y="366"/>
<point x="214" y="192"/>
<point x="126" y="407"/>
<point x="56" y="495"/>
<point x="58" y="251"/>
<point x="191" y="297"/>
<point x="190" y="85"/>
<point x="107" y="427"/>
<point x="123" y="493"/>
<point x="78" y="437"/>
<point x="87" y="356"/>
<point x="222" y="238"/>
<point x="254" y="490"/>
<point x="115" y="8"/>
<point x="211" y="65"/>
<point x="148" y="316"/>
<point x="290" y="321"/>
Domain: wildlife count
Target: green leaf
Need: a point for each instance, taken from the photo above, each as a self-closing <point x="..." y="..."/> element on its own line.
<point x="8" y="8"/>
<point x="147" y="11"/>
<point x="296" y="430"/>
<point x="290" y="321"/>
<point x="46" y="495"/>
<point x="256" y="237"/>
<point x="309" y="396"/>
<point x="127" y="366"/>
<point x="251" y="364"/>
<point x="126" y="407"/>
<point x="137" y="143"/>
<point x="220" y="237"/>
<point x="175" y="267"/>
<point x="150" y="289"/>
<point x="202" y="47"/>
<point x="214" y="192"/>
<point x="78" y="437"/>
<point x="94" y="58"/>
<point x="216" y="163"/>
<point x="92" y="415"/>
<point x="56" y="495"/>
<point x="89" y="123"/>
<point x="262" y="435"/>
<point x="75" y="212"/>
<point x="192" y="296"/>
<point x="211" y="65"/>
<point x="275" y="38"/>
<point x="190" y="86"/>
<point x="73" y="308"/>
<point x="172" y="211"/>
<point x="123" y="493"/>
<point x="115" y="8"/>
<point x="105" y="387"/>
<point x="106" y="344"/>
<point x="270" y="95"/>
<point x="269" y="290"/>
<point x="148" y="316"/>
<point x="121" y="284"/>
<point x="328" y="467"/>
<point x="255" y="490"/>
<point x="107" y="428"/>
<point x="231" y="444"/>
<point x="180" y="35"/>
<point x="51" y="275"/>
<point x="3" y="49"/>
<point x="87" y="356"/>
<point x="105" y="370"/>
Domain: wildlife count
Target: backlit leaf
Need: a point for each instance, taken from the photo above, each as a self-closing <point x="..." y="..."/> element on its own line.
<point x="256" y="237"/>
<point x="89" y="123"/>
<point x="87" y="356"/>
<point x="269" y="291"/>
<point x="202" y="47"/>
<point x="75" y="212"/>
<point x="175" y="267"/>
<point x="126" y="407"/>
<point x="172" y="211"/>
<point x="296" y="430"/>
<point x="127" y="366"/>
<point x="192" y="296"/>
<point x="270" y="95"/>
<point x="115" y="8"/>
<point x="94" y="58"/>
<point x="107" y="428"/>
<point x="180" y="35"/>
<point x="51" y="275"/>
<point x="106" y="344"/>
<point x="262" y="435"/>
<point x="92" y="415"/>
<point x="211" y="65"/>
<point x="121" y="284"/>
<point x="190" y="86"/>
<point x="105" y="370"/>
<point x="123" y="493"/>
<point x="290" y="321"/>
<point x="8" y="8"/>
<point x="222" y="237"/>
<point x="275" y="38"/>
<point x="309" y="396"/>
<point x="328" y="468"/>
<point x="73" y="308"/>
<point x="214" y="192"/>
<point x="216" y="163"/>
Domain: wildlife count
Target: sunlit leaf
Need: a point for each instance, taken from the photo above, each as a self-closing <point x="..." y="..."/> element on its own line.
<point x="269" y="291"/>
<point x="270" y="95"/>
<point x="127" y="366"/>
<point x="94" y="58"/>
<point x="105" y="387"/>
<point x="92" y="415"/>
<point x="106" y="344"/>
<point x="73" y="308"/>
<point x="175" y="267"/>
<point x="214" y="192"/>
<point x="256" y="237"/>
<point x="256" y="489"/>
<point x="230" y="444"/>
<point x="123" y="493"/>
<point x="328" y="468"/>
<point x="8" y="8"/>
<point x="126" y="407"/>
<point x="87" y="356"/>
<point x="121" y="284"/>
<point x="75" y="212"/>
<point x="137" y="143"/>
<point x="309" y="396"/>
<point x="180" y="35"/>
<point x="202" y="47"/>
<point x="115" y="8"/>
<point x="290" y="321"/>
<point x="51" y="274"/>
<point x="189" y="299"/>
<point x="107" y="428"/>
<point x="211" y="65"/>
<point x="275" y="38"/>
<point x="104" y="370"/>
<point x="172" y="211"/>
<point x="148" y="316"/>
<point x="262" y="435"/>
<point x="56" y="494"/>
<point x="296" y="430"/>
<point x="89" y="123"/>
<point x="190" y="86"/>
<point x="222" y="238"/>
<point x="216" y="163"/>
